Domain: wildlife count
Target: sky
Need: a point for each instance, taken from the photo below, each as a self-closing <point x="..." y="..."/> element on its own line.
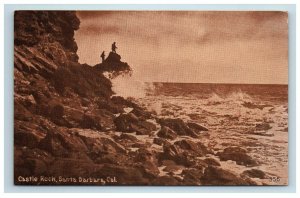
<point x="190" y="46"/>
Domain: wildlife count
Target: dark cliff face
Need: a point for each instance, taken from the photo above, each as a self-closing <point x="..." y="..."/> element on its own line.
<point x="54" y="29"/>
<point x="45" y="52"/>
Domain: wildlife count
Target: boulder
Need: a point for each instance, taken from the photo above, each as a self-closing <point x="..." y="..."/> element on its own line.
<point x="141" y="113"/>
<point x="255" y="173"/>
<point x="238" y="155"/>
<point x="196" y="149"/>
<point x="178" y="126"/>
<point x="124" y="122"/>
<point x="114" y="65"/>
<point x="183" y="152"/>
<point x="167" y="133"/>
<point x="217" y="176"/>
<point x="143" y="127"/>
<point x="196" y="127"/>
<point x="131" y="123"/>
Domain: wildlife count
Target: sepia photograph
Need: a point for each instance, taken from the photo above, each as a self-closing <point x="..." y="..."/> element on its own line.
<point x="151" y="98"/>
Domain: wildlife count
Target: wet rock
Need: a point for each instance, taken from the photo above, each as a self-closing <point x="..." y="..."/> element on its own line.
<point x="217" y="176"/>
<point x="238" y="155"/>
<point x="178" y="126"/>
<point x="131" y="123"/>
<point x="183" y="152"/>
<point x="124" y="122"/>
<point x="255" y="173"/>
<point x="196" y="149"/>
<point x="167" y="133"/>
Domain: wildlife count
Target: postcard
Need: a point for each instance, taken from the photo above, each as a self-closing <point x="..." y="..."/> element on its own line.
<point x="151" y="98"/>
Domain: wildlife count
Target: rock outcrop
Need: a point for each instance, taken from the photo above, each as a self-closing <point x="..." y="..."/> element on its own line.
<point x="114" y="65"/>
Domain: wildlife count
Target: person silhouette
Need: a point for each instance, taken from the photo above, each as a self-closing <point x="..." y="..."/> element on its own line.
<point x="114" y="47"/>
<point x="103" y="56"/>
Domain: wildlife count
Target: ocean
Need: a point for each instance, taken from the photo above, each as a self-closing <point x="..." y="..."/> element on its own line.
<point x="253" y="117"/>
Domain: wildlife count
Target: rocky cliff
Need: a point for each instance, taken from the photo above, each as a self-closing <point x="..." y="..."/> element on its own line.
<point x="68" y="126"/>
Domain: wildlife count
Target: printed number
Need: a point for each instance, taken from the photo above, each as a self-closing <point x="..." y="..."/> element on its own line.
<point x="274" y="179"/>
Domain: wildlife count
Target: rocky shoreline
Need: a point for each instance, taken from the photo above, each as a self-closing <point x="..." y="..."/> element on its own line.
<point x="68" y="124"/>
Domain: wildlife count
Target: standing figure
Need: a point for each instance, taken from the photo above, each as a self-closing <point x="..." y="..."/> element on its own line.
<point x="114" y="47"/>
<point x="103" y="56"/>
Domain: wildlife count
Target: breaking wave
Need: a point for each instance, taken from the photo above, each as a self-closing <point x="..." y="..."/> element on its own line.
<point x="237" y="97"/>
<point x="128" y="86"/>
